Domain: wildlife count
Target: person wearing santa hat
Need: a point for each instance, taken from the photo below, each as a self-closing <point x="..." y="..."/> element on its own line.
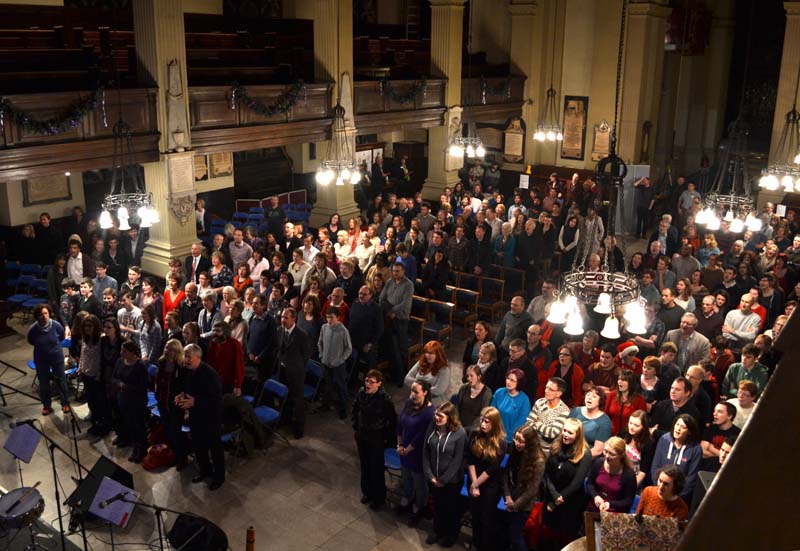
<point x="626" y="357"/>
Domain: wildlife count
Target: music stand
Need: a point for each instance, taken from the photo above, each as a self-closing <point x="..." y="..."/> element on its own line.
<point x="21" y="443"/>
<point x="109" y="505"/>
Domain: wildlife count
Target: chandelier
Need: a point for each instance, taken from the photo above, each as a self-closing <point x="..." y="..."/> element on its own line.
<point x="471" y="144"/>
<point x="128" y="199"/>
<point x="730" y="197"/>
<point x="610" y="287"/>
<point x="785" y="170"/>
<point x="549" y="128"/>
<point x="339" y="164"/>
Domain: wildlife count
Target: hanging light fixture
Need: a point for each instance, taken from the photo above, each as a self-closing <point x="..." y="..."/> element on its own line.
<point x="785" y="167"/>
<point x="611" y="286"/>
<point x="128" y="199"/>
<point x="339" y="164"/>
<point x="731" y="192"/>
<point x="469" y="145"/>
<point x="549" y="128"/>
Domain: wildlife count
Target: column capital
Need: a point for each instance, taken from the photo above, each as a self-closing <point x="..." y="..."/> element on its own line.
<point x="652" y="9"/>
<point x="792" y="8"/>
<point x="447" y="3"/>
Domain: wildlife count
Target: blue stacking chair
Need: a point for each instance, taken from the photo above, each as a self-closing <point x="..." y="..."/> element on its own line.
<point x="314" y="375"/>
<point x="270" y="415"/>
<point x="13" y="270"/>
<point x="257" y="210"/>
<point x="240" y="216"/>
<point x="21" y="291"/>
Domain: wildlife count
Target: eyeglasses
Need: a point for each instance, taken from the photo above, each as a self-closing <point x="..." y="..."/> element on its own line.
<point x="369" y="381"/>
<point x="564" y="354"/>
<point x="550" y="389"/>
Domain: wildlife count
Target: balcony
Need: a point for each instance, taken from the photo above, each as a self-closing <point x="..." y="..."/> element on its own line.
<point x="376" y="111"/>
<point x="87" y="146"/>
<point x="492" y="99"/>
<point x="218" y="128"/>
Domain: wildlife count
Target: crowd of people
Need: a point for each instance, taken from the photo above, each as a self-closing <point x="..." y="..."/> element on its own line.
<point x="546" y="424"/>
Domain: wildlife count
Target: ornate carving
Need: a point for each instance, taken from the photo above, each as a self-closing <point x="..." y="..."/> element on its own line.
<point x="182" y="208"/>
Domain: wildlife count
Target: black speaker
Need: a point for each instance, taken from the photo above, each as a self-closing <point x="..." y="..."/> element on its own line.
<point x="191" y="533"/>
<point x="81" y="499"/>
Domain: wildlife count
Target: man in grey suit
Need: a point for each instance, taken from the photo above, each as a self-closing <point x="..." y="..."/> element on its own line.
<point x="294" y="350"/>
<point x="692" y="346"/>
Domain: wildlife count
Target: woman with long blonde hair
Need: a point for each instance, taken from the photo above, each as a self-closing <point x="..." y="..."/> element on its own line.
<point x="612" y="482"/>
<point x="564" y="499"/>
<point x="484" y="458"/>
<point x="433" y="368"/>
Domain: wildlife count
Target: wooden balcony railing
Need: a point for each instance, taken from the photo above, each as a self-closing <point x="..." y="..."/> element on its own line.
<point x="378" y="111"/>
<point x="492" y="99"/>
<point x="87" y="146"/>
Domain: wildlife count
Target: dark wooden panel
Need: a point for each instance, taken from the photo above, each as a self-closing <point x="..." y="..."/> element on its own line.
<point x="369" y="99"/>
<point x="210" y="107"/>
<point x="138" y="111"/>
<point x="471" y="90"/>
<point x="497" y="114"/>
<point x="399" y="120"/>
<point x="27" y="162"/>
<point x="245" y="138"/>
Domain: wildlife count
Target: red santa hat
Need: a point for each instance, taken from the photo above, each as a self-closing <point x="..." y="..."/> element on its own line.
<point x="627" y="348"/>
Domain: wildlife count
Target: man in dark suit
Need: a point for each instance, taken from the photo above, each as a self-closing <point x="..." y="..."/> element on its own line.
<point x="202" y="398"/>
<point x="134" y="244"/>
<point x="196" y="263"/>
<point x="294" y="350"/>
<point x="289" y="242"/>
<point x="667" y="239"/>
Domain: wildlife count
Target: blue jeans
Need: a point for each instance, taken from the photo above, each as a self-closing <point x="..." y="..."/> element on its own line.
<point x="336" y="381"/>
<point x="46" y="367"/>
<point x="415" y="489"/>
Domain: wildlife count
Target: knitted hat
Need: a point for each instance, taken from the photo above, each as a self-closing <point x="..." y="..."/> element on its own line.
<point x="627" y="348"/>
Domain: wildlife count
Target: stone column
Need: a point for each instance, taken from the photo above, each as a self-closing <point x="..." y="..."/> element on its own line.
<point x="160" y="40"/>
<point x="641" y="81"/>
<point x="333" y="59"/>
<point x="790" y="64"/>
<point x="525" y="42"/>
<point x="718" y="69"/>
<point x="447" y="25"/>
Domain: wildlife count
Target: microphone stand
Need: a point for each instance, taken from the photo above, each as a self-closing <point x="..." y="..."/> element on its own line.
<point x="52" y="447"/>
<point x="157" y="511"/>
<point x="76" y="428"/>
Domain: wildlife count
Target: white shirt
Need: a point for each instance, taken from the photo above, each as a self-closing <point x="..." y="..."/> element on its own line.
<point x="310" y="253"/>
<point x="75" y="268"/>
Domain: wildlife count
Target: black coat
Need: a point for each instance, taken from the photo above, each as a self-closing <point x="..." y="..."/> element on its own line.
<point x="203" y="265"/>
<point x="293" y="354"/>
<point x="374" y="419"/>
<point x="205" y="386"/>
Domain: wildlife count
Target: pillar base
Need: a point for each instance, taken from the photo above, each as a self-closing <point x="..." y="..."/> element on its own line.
<point x="157" y="253"/>
<point x="331" y="200"/>
<point x="434" y="187"/>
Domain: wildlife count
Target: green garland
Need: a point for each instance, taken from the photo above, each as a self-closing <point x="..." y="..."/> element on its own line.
<point x="416" y="91"/>
<point x="56" y="125"/>
<point x="281" y="106"/>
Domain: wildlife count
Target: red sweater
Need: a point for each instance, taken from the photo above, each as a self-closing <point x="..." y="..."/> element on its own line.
<point x="620" y="413"/>
<point x="575" y="383"/>
<point x="652" y="505"/>
<point x="227" y="359"/>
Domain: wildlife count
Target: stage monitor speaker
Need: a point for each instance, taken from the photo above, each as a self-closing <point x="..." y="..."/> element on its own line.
<point x="83" y="495"/>
<point x="190" y="533"/>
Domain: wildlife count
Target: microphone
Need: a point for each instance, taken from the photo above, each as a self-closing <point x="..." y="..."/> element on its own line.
<point x="18" y="422"/>
<point x="106" y="502"/>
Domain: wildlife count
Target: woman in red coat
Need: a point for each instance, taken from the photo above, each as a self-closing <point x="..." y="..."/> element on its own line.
<point x="564" y="366"/>
<point x="625" y="400"/>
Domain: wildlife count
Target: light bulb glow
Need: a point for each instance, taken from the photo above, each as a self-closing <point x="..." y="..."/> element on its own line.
<point x="603" y="304"/>
<point x="728" y="216"/>
<point x="105" y="220"/>
<point x="737" y="226"/>
<point x="123" y="224"/>
<point x="456" y="151"/>
<point x="559" y="136"/>
<point x="713" y="224"/>
<point x="574" y="324"/>
<point x="797" y="159"/>
<point x="788" y="183"/>
<point x="752" y="223"/>
<point x="551" y="136"/>
<point x="610" y="328"/>
<point x="771" y="182"/>
<point x="470" y="151"/>
<point x="339" y="181"/>
<point x="538" y="136"/>
<point x="122" y="213"/>
<point x="355" y="178"/>
<point x="480" y="151"/>
<point x="345" y="175"/>
<point x="558" y="312"/>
